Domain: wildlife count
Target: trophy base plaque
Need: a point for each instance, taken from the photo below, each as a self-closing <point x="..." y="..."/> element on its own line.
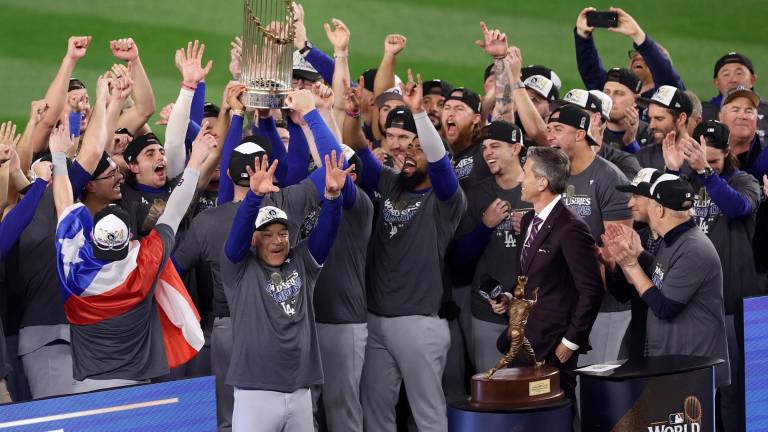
<point x="264" y="100"/>
<point x="521" y="387"/>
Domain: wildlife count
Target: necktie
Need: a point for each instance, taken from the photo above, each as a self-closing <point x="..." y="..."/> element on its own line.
<point x="535" y="225"/>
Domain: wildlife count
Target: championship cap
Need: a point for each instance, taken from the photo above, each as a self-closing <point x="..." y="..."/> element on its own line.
<point x="606" y="101"/>
<point x="436" y="87"/>
<point x="269" y="215"/>
<point x="583" y="99"/>
<point x="715" y="133"/>
<point x="303" y="69"/>
<point x="669" y="97"/>
<point x="111" y="236"/>
<point x="573" y="116"/>
<point x="137" y="145"/>
<point x="542" y="80"/>
<point x="500" y="130"/>
<point x="741" y="91"/>
<point x="243" y="156"/>
<point x="733" y="57"/>
<point x="626" y="78"/>
<point x="672" y="192"/>
<point x="401" y="117"/>
<point x="641" y="184"/>
<point x="467" y="96"/>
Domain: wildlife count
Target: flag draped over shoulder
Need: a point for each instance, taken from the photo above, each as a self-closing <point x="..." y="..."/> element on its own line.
<point x="94" y="290"/>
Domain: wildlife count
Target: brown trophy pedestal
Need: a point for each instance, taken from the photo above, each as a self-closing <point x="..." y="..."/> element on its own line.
<point x="521" y="387"/>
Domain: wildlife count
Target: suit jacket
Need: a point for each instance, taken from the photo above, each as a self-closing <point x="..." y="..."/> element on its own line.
<point x="562" y="262"/>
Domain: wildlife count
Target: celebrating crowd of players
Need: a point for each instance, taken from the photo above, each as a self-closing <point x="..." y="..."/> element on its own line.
<point x="350" y="254"/>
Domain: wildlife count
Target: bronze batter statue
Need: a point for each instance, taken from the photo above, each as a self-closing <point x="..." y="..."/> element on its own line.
<point x="519" y="309"/>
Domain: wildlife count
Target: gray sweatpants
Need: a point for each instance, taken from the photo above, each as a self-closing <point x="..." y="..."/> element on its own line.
<point x="49" y="370"/>
<point x="485" y="334"/>
<point x="410" y="349"/>
<point x="221" y="352"/>
<point x="342" y="350"/>
<point x="270" y="411"/>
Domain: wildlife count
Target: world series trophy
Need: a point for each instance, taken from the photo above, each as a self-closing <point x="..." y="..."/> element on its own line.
<point x="517" y="387"/>
<point x="267" y="59"/>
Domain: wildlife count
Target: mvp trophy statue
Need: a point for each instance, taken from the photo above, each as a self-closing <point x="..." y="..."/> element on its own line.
<point x="267" y="59"/>
<point x="518" y="387"/>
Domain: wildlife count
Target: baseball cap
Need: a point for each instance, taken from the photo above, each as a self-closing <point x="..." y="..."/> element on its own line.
<point x="210" y="110"/>
<point x="137" y="145"/>
<point x="542" y="80"/>
<point x="303" y="69"/>
<point x="436" y="87"/>
<point x="500" y="130"/>
<point x="111" y="236"/>
<point x="733" y="57"/>
<point x="123" y="131"/>
<point x="669" y="97"/>
<point x="626" y="78"/>
<point x="75" y="84"/>
<point x="741" y="91"/>
<point x="641" y="184"/>
<point x="583" y="99"/>
<point x="401" y="117"/>
<point x="467" y="96"/>
<point x="244" y="154"/>
<point x="269" y="215"/>
<point x="715" y="133"/>
<point x="573" y="116"/>
<point x="672" y="192"/>
<point x="352" y="159"/>
<point x="488" y="71"/>
<point x="368" y="77"/>
<point x="392" y="94"/>
<point x="606" y="101"/>
<point x="104" y="164"/>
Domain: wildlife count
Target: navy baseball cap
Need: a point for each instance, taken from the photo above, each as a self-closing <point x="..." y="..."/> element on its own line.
<point x="672" y="192"/>
<point x="733" y="57"/>
<point x="500" y="130"/>
<point x="467" y="96"/>
<point x="368" y="77"/>
<point x="573" y="116"/>
<point x="715" y="133"/>
<point x="437" y="87"/>
<point x="243" y="156"/>
<point x="626" y="78"/>
<point x="210" y="110"/>
<point x="401" y="117"/>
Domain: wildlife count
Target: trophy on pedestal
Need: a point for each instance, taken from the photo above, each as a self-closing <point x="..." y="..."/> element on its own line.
<point x="267" y="59"/>
<point x="517" y="387"/>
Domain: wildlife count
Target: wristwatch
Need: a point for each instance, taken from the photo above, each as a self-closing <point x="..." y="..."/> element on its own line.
<point x="707" y="172"/>
<point x="518" y="85"/>
<point x="307" y="46"/>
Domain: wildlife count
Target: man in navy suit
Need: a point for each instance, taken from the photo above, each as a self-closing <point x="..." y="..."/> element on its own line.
<point x="559" y="257"/>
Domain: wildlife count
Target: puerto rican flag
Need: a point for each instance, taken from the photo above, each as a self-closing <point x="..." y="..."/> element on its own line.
<point x="94" y="290"/>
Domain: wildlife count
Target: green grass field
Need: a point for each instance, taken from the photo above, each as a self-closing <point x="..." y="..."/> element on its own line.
<point x="440" y="38"/>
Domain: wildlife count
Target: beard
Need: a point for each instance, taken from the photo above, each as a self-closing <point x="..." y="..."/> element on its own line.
<point x="414" y="180"/>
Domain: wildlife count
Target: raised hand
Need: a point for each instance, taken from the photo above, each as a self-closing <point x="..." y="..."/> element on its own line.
<point x="412" y="93"/>
<point x="262" y="181"/>
<point x="695" y="152"/>
<point x="189" y="63"/>
<point x="202" y="146"/>
<point x="233" y="94"/>
<point x="37" y="110"/>
<point x="335" y="176"/>
<point x="124" y="49"/>
<point x="8" y="135"/>
<point x="119" y="71"/>
<point x="515" y="62"/>
<point x="582" y="29"/>
<point x="494" y="42"/>
<point x="323" y="96"/>
<point x="103" y="84"/>
<point x="495" y="213"/>
<point x="673" y="157"/>
<point x="352" y="96"/>
<point x="301" y="101"/>
<point x="394" y="44"/>
<point x="164" y="114"/>
<point x="300" y="30"/>
<point x="628" y="26"/>
<point x="630" y="123"/>
<point x="60" y="141"/>
<point x="121" y="89"/>
<point x="77" y="46"/>
<point x="235" y="57"/>
<point x="339" y="37"/>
